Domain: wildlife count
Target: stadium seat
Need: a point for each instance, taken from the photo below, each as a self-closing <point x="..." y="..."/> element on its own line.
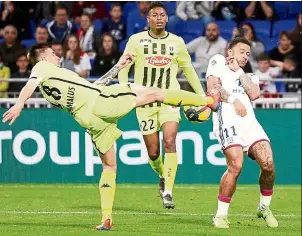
<point x="281" y="25"/>
<point x="1" y="40"/>
<point x="269" y="43"/>
<point x="262" y="27"/>
<point x="92" y="62"/>
<point x="281" y="9"/>
<point x="294" y="9"/>
<point x="193" y="27"/>
<point x="32" y="28"/>
<point x="226" y="28"/>
<point x="188" y="38"/>
<point x="171" y="8"/>
<point x="123" y="45"/>
<point x="98" y="25"/>
<point x="28" y="42"/>
<point x="128" y="7"/>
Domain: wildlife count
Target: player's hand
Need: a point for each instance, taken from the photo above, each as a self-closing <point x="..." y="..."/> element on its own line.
<point x="239" y="108"/>
<point x="233" y="63"/>
<point x="125" y="60"/>
<point x="12" y="114"/>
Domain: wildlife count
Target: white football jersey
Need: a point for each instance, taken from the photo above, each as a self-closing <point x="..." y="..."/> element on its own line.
<point x="219" y="68"/>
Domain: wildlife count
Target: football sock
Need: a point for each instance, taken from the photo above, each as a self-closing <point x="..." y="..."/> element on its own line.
<point x="107" y="190"/>
<point x="266" y="196"/>
<point x="183" y="98"/>
<point x="157" y="165"/>
<point x="223" y="205"/>
<point x="170" y="168"/>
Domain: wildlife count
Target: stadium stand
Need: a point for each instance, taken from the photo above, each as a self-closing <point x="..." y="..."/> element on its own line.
<point x="267" y="31"/>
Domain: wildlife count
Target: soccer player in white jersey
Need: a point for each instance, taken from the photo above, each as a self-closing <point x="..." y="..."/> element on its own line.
<point x="238" y="130"/>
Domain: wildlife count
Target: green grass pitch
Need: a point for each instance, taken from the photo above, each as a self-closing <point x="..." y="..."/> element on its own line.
<point x="71" y="209"/>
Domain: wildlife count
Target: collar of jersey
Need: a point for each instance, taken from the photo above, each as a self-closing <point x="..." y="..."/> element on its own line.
<point x="165" y="36"/>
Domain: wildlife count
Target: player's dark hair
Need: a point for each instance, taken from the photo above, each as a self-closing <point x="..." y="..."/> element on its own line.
<point x="157" y="4"/>
<point x="237" y="40"/>
<point x="115" y="4"/>
<point x="263" y="57"/>
<point x="35" y="51"/>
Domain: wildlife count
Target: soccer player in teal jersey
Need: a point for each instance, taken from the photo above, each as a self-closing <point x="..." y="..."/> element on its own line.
<point x="159" y="54"/>
<point x="95" y="107"/>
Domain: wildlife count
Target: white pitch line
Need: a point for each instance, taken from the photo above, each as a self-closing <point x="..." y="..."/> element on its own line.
<point x="132" y="213"/>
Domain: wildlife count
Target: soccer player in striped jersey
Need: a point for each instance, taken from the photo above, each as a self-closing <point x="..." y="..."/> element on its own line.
<point x="95" y="107"/>
<point x="159" y="54"/>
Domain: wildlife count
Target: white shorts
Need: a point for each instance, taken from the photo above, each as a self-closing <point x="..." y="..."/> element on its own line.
<point x="234" y="130"/>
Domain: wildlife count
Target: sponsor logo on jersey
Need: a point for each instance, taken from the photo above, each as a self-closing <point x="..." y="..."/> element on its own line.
<point x="158" y="60"/>
<point x="145" y="41"/>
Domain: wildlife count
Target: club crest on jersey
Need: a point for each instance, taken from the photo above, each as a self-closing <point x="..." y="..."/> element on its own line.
<point x="171" y="50"/>
<point x="158" y="60"/>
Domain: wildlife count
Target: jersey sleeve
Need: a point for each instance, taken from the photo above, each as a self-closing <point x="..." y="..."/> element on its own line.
<point x="35" y="73"/>
<point x="183" y="57"/>
<point x="215" y="66"/>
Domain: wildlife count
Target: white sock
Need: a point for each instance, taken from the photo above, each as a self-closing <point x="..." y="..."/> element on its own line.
<point x="223" y="208"/>
<point x="265" y="200"/>
<point x="167" y="192"/>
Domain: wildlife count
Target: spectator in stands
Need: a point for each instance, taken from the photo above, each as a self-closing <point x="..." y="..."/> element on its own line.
<point x="57" y="47"/>
<point x="226" y="10"/>
<point x="22" y="73"/>
<point x="206" y="47"/>
<point x="107" y="56"/>
<point x="72" y="51"/>
<point x="137" y="20"/>
<point x="10" y="48"/>
<point x="87" y="36"/>
<point x="265" y="72"/>
<point x="290" y="70"/>
<point x="13" y="15"/>
<point x="257" y="46"/>
<point x="296" y="36"/>
<point x="116" y="25"/>
<point x="259" y="10"/>
<point x="284" y="48"/>
<point x="60" y="27"/>
<point x="41" y="34"/>
<point x="195" y="11"/>
<point x="4" y="74"/>
<point x="96" y="9"/>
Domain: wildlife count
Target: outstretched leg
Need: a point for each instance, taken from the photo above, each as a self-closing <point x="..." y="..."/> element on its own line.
<point x="174" y="97"/>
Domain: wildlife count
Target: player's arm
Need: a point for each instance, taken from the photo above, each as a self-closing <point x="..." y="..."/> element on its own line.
<point x="214" y="85"/>
<point x="27" y="91"/>
<point x="123" y="62"/>
<point x="250" y="87"/>
<point x="130" y="48"/>
<point x="184" y="61"/>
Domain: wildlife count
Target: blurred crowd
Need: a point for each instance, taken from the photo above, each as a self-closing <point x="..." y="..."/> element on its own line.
<point x="90" y="36"/>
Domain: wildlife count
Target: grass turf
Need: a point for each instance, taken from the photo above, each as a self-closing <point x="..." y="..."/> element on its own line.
<point x="74" y="210"/>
